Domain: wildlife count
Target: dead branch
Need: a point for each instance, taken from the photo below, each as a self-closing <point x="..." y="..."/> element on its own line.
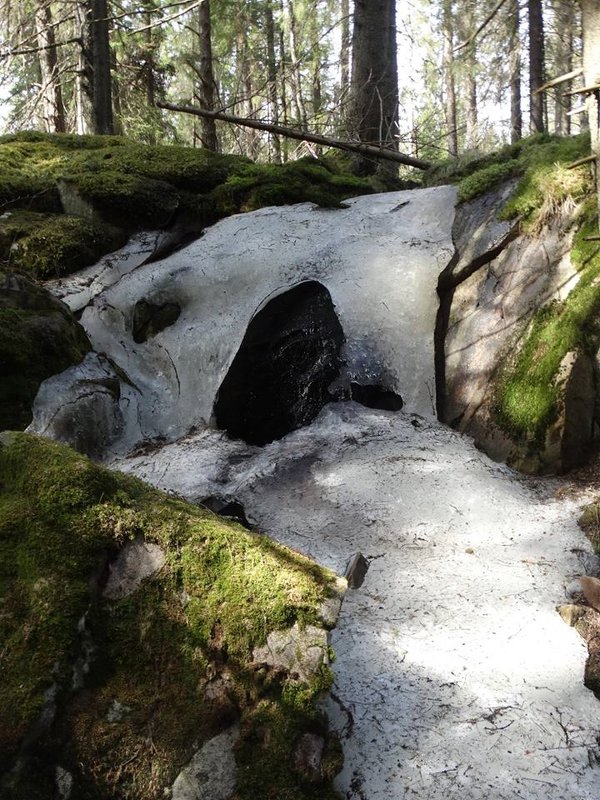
<point x="483" y="25"/>
<point x="581" y="162"/>
<point x="294" y="133"/>
<point x="568" y="76"/>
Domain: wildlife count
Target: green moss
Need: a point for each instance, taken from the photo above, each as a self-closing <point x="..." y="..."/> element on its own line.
<point x="486" y="179"/>
<point x="539" y="161"/>
<point x="38" y="338"/>
<point x="528" y="394"/>
<point x="589" y="522"/>
<point x="132" y="186"/>
<point x="52" y="245"/>
<point x="221" y="591"/>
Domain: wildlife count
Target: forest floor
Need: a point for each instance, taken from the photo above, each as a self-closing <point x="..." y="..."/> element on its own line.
<point x="455" y="677"/>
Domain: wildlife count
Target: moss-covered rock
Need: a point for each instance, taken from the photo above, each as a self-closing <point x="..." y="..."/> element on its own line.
<point x="39" y="337"/>
<point x="128" y="186"/>
<point x="530" y="391"/>
<point x="539" y="161"/>
<point x="169" y="665"/>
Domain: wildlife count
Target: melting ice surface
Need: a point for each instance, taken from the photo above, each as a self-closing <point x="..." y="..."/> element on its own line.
<point x="455" y="677"/>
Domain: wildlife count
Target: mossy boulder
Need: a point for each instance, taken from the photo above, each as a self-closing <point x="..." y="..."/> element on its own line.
<point x="39" y="337"/>
<point x="523" y="333"/>
<point x="119" y="693"/>
<point x="110" y="187"/>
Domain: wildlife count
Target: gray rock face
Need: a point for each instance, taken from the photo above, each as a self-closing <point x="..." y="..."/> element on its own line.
<point x="211" y="774"/>
<point x="489" y="312"/>
<point x="85" y="407"/>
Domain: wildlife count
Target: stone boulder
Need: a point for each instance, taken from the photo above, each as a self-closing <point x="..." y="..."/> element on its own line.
<point x="39" y="337"/>
<point x="488" y="298"/>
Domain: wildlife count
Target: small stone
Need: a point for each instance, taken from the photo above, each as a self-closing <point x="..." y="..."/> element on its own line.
<point x="357" y="570"/>
<point x="117" y="712"/>
<point x="136" y="561"/>
<point x="64" y="783"/>
<point x="571" y="613"/>
<point x="299" y="651"/>
<point x="212" y="772"/>
<point x="308" y="757"/>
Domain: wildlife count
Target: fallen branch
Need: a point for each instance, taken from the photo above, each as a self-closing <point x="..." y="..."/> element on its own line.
<point x="586" y="90"/>
<point x="581" y="161"/>
<point x="568" y="76"/>
<point x="483" y="25"/>
<point x="304" y="136"/>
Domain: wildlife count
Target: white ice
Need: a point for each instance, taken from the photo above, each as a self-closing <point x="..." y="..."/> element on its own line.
<point x="455" y="677"/>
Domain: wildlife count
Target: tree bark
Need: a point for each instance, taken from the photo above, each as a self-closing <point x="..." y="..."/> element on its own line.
<point x="450" y="86"/>
<point x="591" y="72"/>
<point x="374" y="114"/>
<point x="272" y="79"/>
<point x="102" y="86"/>
<point x="206" y="90"/>
<point x="516" y="116"/>
<point x="536" y="65"/>
<point x="53" y="111"/>
<point x="565" y="23"/>
<point x="345" y="50"/>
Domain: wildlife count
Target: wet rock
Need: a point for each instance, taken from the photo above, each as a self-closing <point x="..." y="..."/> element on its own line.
<point x="357" y="570"/>
<point x="136" y="561"/>
<point x="39" y="337"/>
<point x="152" y="318"/>
<point x="83" y="406"/>
<point x="301" y="652"/>
<point x="308" y="757"/>
<point x="376" y="396"/>
<point x="212" y="772"/>
<point x="280" y="377"/>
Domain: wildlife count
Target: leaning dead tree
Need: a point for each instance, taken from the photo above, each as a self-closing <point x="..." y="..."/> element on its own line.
<point x="293" y="133"/>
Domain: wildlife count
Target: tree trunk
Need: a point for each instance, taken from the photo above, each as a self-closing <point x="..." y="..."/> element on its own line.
<point x="591" y="72"/>
<point x="295" y="73"/>
<point x="536" y="65"/>
<point x="85" y="70"/>
<point x="345" y="51"/>
<point x="564" y="23"/>
<point x="272" y="79"/>
<point x="53" y="112"/>
<point x="516" y="116"/>
<point x="374" y="115"/>
<point x="450" y="103"/>
<point x="102" y="86"/>
<point x="206" y="89"/>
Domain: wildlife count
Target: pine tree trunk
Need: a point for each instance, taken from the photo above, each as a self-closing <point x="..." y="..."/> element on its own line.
<point x="450" y="99"/>
<point x="516" y="116"/>
<point x="102" y="86"/>
<point x="272" y="78"/>
<point x="374" y="115"/>
<point x="85" y="71"/>
<point x="295" y="73"/>
<point x="53" y="112"/>
<point x="206" y="89"/>
<point x="345" y="50"/>
<point x="564" y="15"/>
<point x="536" y="65"/>
<point x="591" y="72"/>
